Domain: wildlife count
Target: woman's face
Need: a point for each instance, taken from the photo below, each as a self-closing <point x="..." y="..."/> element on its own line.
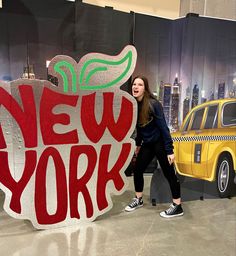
<point x="138" y="89"/>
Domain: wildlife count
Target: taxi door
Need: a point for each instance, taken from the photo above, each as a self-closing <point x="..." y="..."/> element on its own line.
<point x="204" y="121"/>
<point x="223" y="136"/>
<point x="194" y="138"/>
<point x="184" y="149"/>
<point x="210" y="127"/>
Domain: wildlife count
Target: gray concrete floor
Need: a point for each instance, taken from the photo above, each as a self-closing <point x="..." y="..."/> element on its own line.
<point x="208" y="228"/>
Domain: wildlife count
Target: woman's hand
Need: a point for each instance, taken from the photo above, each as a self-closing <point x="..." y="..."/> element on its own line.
<point x="135" y="154"/>
<point x="137" y="150"/>
<point x="171" y="158"/>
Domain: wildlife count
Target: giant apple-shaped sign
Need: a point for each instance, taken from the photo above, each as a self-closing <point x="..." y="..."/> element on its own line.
<point x="64" y="149"/>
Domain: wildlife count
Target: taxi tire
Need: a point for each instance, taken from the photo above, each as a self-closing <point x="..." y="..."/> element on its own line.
<point x="225" y="176"/>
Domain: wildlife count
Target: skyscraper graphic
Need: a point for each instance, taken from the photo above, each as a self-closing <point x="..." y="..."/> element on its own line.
<point x="28" y="72"/>
<point x="195" y="96"/>
<point x="232" y="93"/>
<point x="174" y="117"/>
<point x="161" y="92"/>
<point x="166" y="102"/>
<point x="203" y="98"/>
<point x="52" y="79"/>
<point x="186" y="103"/>
<point x="221" y="90"/>
<point x="212" y="96"/>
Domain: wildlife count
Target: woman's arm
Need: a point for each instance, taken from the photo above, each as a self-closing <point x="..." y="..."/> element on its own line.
<point x="161" y="123"/>
<point x="138" y="139"/>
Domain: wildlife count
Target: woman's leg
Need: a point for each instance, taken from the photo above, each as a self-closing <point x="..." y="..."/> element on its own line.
<point x="168" y="171"/>
<point x="144" y="157"/>
<point x="175" y="208"/>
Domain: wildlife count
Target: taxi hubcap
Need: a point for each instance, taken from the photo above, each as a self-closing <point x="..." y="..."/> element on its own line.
<point x="223" y="177"/>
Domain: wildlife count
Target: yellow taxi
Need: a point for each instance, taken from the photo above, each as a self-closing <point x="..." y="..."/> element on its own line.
<point x="205" y="145"/>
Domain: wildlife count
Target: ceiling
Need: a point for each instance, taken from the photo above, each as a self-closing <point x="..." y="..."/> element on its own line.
<point x="160" y="8"/>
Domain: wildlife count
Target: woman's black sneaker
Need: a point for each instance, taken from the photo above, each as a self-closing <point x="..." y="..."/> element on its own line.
<point x="136" y="203"/>
<point x="173" y="211"/>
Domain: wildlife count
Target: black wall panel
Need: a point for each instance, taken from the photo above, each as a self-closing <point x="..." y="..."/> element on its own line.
<point x="152" y="41"/>
<point x="101" y="29"/>
<point x="34" y="30"/>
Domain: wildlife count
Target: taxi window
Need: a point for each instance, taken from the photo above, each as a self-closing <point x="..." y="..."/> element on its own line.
<point x="229" y="114"/>
<point x="185" y="128"/>
<point x="211" y="119"/>
<point x="197" y="119"/>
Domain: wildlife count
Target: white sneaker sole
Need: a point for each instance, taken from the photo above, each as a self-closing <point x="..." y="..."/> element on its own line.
<point x="128" y="209"/>
<point x="164" y="215"/>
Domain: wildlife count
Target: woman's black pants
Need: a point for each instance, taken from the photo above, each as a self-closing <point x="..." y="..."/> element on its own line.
<point x="145" y="156"/>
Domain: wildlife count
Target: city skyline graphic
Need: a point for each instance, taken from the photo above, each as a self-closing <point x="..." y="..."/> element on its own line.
<point x="170" y="97"/>
<point x="187" y="61"/>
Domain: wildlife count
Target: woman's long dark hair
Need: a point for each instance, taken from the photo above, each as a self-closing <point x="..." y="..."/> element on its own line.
<point x="145" y="109"/>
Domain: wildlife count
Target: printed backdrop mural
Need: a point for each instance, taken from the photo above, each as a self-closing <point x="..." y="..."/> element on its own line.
<point x="64" y="149"/>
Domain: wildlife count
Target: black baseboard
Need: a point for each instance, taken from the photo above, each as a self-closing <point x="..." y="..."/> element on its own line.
<point x="191" y="189"/>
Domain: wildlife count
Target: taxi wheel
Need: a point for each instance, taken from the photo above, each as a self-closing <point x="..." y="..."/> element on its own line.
<point x="225" y="176"/>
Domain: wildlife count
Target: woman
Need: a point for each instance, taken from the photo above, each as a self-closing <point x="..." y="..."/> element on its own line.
<point x="153" y="139"/>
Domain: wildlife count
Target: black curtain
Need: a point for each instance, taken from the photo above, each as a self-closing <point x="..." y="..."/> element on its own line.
<point x="153" y="43"/>
<point x="34" y="31"/>
<point x="102" y="30"/>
